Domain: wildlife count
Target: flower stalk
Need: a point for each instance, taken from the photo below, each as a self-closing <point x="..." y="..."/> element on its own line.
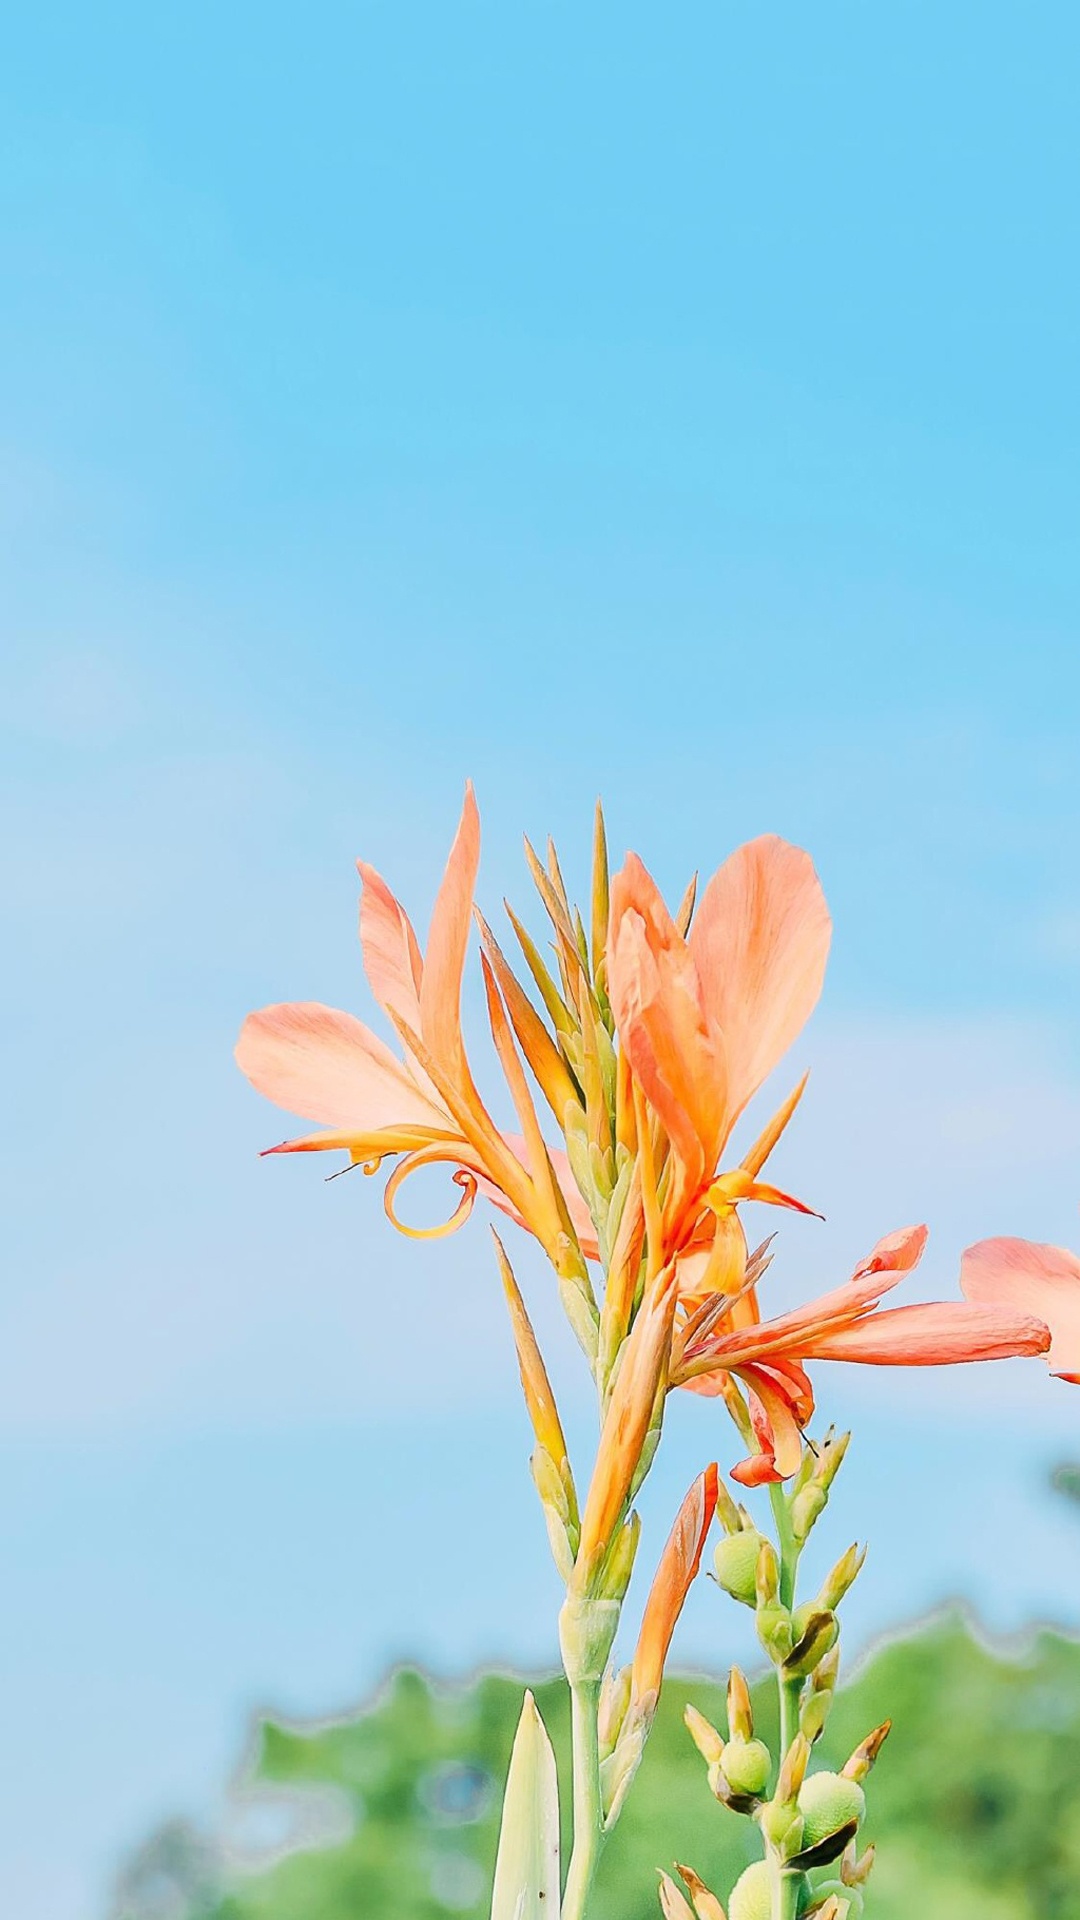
<point x="643" y="1036"/>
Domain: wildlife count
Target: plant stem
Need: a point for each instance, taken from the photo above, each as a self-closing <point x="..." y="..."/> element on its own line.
<point x="785" y="1884"/>
<point x="588" y="1813"/>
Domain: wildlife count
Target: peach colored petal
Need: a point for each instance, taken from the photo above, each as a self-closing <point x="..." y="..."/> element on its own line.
<point x="392" y="959"/>
<point x="1033" y="1277"/>
<point x="761" y="940"/>
<point x="897" y="1253"/>
<point x="327" y="1066"/>
<point x="675" y="1051"/>
<point x="939" y="1334"/>
<point x="675" y="1575"/>
<point x="448" y="939"/>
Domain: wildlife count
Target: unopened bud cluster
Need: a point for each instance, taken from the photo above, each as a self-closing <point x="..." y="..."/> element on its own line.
<point x="807" y="1820"/>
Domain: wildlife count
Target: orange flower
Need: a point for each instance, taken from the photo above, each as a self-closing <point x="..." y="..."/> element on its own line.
<point x="329" y="1067"/>
<point x="846" y="1324"/>
<point x="703" y="1020"/>
<point x="678" y="1568"/>
<point x="1008" y="1273"/>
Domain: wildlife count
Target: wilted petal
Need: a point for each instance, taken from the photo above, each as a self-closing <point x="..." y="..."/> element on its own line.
<point x="1032" y="1277"/>
<point x="761" y="940"/>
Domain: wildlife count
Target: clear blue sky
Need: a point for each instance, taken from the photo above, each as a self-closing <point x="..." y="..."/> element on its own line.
<point x="675" y="403"/>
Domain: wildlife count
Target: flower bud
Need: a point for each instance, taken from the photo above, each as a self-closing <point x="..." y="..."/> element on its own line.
<point x="830" y="1806"/>
<point x="815" y="1708"/>
<point x="793" y="1770"/>
<point x="817" y="1635"/>
<point x="619" y="1565"/>
<point x="673" y="1904"/>
<point x="586" y="1636"/>
<point x="773" y="1625"/>
<point x="740" y="1713"/>
<point x="841" y="1578"/>
<point x="728" y="1514"/>
<point x="807" y="1507"/>
<point x="781" y="1823"/>
<point x="735" y="1561"/>
<point x="867" y="1752"/>
<point x="614" y="1701"/>
<point x="618" y="1770"/>
<point x="830" y="1459"/>
<point x="704" y="1735"/>
<point x="766" y="1573"/>
<point x="706" y="1904"/>
<point x="746" y="1765"/>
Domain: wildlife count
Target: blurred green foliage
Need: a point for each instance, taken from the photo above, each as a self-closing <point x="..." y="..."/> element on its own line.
<point x="975" y="1802"/>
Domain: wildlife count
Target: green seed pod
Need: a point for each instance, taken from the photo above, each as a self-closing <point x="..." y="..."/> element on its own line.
<point x="745" y="1765"/>
<point x="751" y="1896"/>
<point x="735" y="1561"/>
<point x="829" y="1803"/>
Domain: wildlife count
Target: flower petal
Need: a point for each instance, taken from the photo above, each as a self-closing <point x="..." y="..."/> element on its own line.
<point x="675" y="1574"/>
<point x="939" y="1334"/>
<point x="448" y="939"/>
<point x="327" y="1066"/>
<point x="675" y="1051"/>
<point x="1033" y="1277"/>
<point x="761" y="940"/>
<point x="392" y="959"/>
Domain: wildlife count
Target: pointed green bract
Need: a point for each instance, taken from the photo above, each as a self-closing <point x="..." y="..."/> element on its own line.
<point x="527" y="1865"/>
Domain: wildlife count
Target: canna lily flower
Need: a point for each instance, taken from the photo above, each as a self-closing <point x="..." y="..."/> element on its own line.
<point x="329" y="1067"/>
<point x="769" y="1357"/>
<point x="1003" y="1273"/>
<point x="703" y="1020"/>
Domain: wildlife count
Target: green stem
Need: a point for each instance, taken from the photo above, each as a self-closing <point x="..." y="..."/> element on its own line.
<point x="588" y="1811"/>
<point x="785" y="1884"/>
<point x="785" y="1893"/>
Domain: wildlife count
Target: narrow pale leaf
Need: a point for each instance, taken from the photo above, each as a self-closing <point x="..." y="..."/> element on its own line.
<point x="527" y="1864"/>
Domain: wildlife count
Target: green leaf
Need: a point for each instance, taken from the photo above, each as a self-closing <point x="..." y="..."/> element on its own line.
<point x="527" y="1865"/>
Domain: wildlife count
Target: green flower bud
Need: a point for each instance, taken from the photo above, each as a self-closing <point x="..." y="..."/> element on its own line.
<point x="745" y="1765"/>
<point x="620" y="1561"/>
<point x="735" y="1561"/>
<point x="807" y="1507"/>
<point x="774" y="1631"/>
<point x="829" y="1803"/>
<point x="586" y="1635"/>
<point x="766" y="1573"/>
<point x="841" y="1578"/>
<point x="816" y="1634"/>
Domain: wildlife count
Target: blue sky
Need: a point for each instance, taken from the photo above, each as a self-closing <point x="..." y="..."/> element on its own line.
<point x="680" y="405"/>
